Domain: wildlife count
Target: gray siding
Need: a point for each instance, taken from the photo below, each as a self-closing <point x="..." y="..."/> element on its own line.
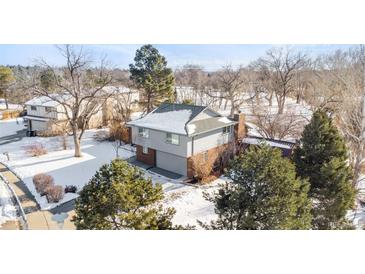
<point x="157" y="140"/>
<point x="39" y="125"/>
<point x="210" y="140"/>
<point x="171" y="162"/>
<point x="202" y="142"/>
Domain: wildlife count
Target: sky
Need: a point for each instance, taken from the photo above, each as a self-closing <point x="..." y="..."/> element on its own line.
<point x="210" y="56"/>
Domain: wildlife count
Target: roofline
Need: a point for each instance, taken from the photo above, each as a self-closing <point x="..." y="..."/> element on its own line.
<point x="186" y="133"/>
<point x="205" y="108"/>
<point x="226" y="125"/>
<point x="283" y="142"/>
<point x="158" y="129"/>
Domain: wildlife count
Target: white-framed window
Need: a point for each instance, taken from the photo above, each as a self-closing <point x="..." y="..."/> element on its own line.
<point x="145" y="150"/>
<point x="143" y="132"/>
<point x="227" y="130"/>
<point x="33" y="108"/>
<point x="49" y="109"/>
<point x="172" y="139"/>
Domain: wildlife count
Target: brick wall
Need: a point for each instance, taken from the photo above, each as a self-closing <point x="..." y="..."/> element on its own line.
<point x="149" y="158"/>
<point x="240" y="128"/>
<point x="217" y="159"/>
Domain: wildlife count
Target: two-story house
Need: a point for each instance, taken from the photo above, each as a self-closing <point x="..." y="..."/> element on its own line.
<point x="172" y="135"/>
<point x="42" y="114"/>
<point x="47" y="117"/>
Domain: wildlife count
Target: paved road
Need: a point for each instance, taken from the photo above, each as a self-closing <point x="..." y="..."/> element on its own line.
<point x="37" y="219"/>
<point x="18" y="136"/>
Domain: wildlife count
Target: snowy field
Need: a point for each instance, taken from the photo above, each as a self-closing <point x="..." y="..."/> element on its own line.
<point x="11" y="106"/>
<point x="7" y="208"/>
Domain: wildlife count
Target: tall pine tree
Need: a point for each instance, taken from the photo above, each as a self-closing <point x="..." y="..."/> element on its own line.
<point x="322" y="159"/>
<point x="119" y="197"/>
<point x="264" y="194"/>
<point x="151" y="75"/>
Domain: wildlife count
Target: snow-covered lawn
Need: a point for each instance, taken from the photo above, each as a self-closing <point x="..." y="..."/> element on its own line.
<point x="188" y="200"/>
<point x="9" y="127"/>
<point x="65" y="169"/>
<point x="190" y="204"/>
<point x="7" y="208"/>
<point x="10" y="106"/>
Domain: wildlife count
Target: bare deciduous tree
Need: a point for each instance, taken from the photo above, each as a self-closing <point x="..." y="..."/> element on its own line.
<point x="78" y="89"/>
<point x="279" y="73"/>
<point x="233" y="85"/>
<point x="279" y="126"/>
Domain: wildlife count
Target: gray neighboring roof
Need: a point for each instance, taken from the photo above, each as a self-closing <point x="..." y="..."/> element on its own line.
<point x="209" y="124"/>
<point x="46" y="101"/>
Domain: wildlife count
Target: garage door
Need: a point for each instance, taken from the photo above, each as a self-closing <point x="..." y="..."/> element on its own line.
<point x="39" y="125"/>
<point x="171" y="162"/>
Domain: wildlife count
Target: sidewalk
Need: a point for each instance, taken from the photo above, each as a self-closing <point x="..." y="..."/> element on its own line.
<point x="37" y="219"/>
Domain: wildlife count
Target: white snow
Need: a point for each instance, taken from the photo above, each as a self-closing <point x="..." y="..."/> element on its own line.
<point x="188" y="200"/>
<point x="190" y="128"/>
<point x="190" y="204"/>
<point x="7" y="208"/>
<point x="61" y="164"/>
<point x="256" y="141"/>
<point x="46" y="101"/>
<point x="172" y="121"/>
<point x="9" y="127"/>
<point x="224" y="120"/>
<point x="11" y="106"/>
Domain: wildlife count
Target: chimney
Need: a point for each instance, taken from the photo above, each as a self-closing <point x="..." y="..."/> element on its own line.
<point x="240" y="128"/>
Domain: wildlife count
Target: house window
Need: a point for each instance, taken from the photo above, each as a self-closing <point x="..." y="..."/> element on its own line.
<point x="143" y="132"/>
<point x="145" y="150"/>
<point x="172" y="138"/>
<point x="33" y="108"/>
<point x="226" y="130"/>
<point x="49" y="109"/>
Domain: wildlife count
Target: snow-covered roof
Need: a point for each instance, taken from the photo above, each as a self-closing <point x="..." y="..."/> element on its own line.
<point x="46" y="101"/>
<point x="253" y="140"/>
<point x="169" y="117"/>
<point x="179" y="119"/>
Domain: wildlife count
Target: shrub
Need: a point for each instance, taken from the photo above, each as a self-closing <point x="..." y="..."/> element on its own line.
<point x="101" y="136"/>
<point x="203" y="168"/>
<point x="42" y="182"/>
<point x="35" y="149"/>
<point x="55" y="194"/>
<point x="71" y="189"/>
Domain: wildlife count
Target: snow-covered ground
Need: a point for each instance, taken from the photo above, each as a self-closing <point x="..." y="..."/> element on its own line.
<point x="11" y="106"/>
<point x="7" y="208"/>
<point x="9" y="127"/>
<point x="188" y="200"/>
<point x="65" y="169"/>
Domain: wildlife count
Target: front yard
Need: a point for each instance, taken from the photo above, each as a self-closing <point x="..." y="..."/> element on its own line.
<point x="66" y="170"/>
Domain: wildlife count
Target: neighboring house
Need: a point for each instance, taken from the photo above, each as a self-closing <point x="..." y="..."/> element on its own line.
<point x="47" y="117"/>
<point x="173" y="136"/>
<point x="286" y="147"/>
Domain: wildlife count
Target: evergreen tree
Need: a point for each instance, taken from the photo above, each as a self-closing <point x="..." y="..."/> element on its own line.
<point x="322" y="159"/>
<point x="264" y="194"/>
<point x="6" y="79"/>
<point x="119" y="197"/>
<point x="151" y="74"/>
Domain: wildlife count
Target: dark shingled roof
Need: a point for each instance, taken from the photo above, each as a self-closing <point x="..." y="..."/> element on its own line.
<point x="167" y="107"/>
